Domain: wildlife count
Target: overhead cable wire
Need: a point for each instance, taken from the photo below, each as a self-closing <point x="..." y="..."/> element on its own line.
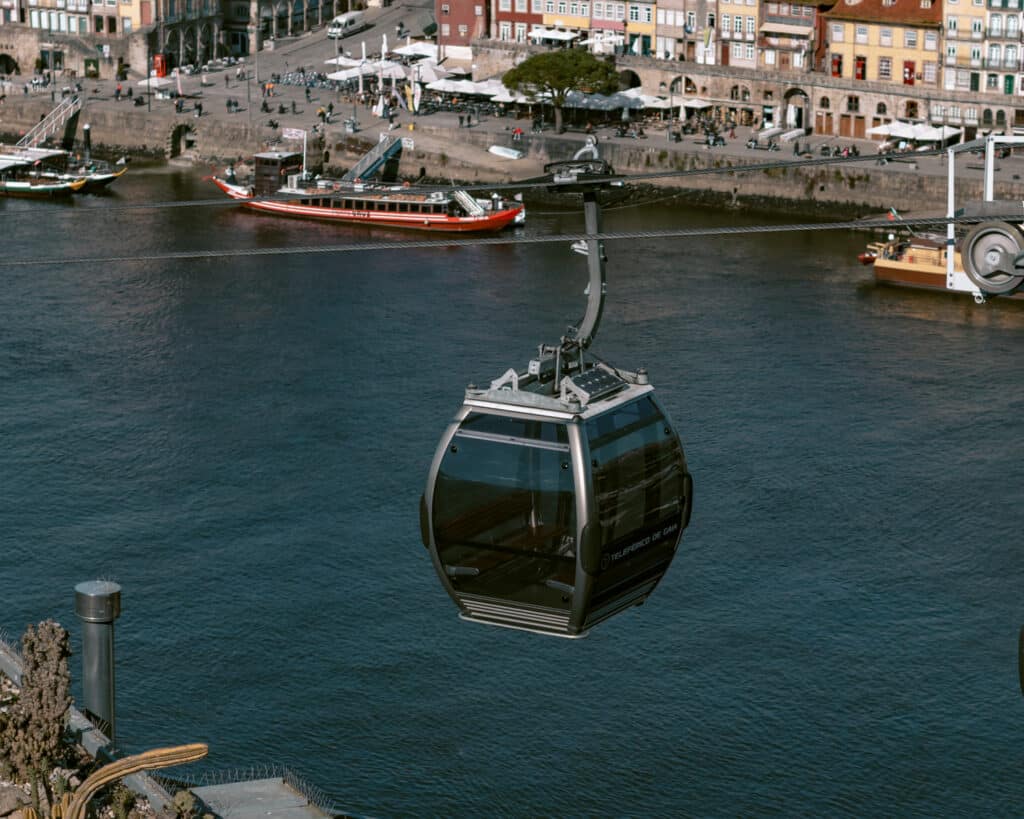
<point x="507" y="239"/>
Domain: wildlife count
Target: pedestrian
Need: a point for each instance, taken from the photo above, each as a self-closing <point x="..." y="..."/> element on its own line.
<point x="294" y="109"/>
<point x="309" y="97"/>
<point x="468" y="120"/>
<point x="461" y="120"/>
<point x="199" y="110"/>
<point x="796" y="147"/>
<point x="226" y="85"/>
<point x="117" y="93"/>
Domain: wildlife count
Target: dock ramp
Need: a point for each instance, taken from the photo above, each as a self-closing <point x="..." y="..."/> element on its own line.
<point x="469" y="204"/>
<point x="61" y="120"/>
<point x="388" y="150"/>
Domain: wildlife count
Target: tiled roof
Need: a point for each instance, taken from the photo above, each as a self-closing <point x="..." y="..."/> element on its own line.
<point x="895" y="12"/>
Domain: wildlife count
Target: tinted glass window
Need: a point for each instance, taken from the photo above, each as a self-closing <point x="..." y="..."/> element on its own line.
<point x="504" y="511"/>
<point x="638" y="469"/>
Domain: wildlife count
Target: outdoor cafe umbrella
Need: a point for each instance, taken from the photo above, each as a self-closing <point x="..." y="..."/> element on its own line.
<point x="342" y="61"/>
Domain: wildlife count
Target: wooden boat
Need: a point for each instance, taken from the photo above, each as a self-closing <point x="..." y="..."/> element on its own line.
<point x="20" y="177"/>
<point x="988" y="260"/>
<point x="400" y="206"/>
<point x="56" y="166"/>
<point x="97" y="175"/>
<point x="918" y="260"/>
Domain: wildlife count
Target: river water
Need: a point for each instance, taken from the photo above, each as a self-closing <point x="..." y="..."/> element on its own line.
<point x="242" y="443"/>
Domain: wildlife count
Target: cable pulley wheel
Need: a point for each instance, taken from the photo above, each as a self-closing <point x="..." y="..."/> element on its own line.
<point x="990" y="254"/>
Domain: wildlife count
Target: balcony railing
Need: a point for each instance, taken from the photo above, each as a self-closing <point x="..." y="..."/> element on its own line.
<point x="965" y="36"/>
<point x="1003" y="64"/>
<point x="1004" y="34"/>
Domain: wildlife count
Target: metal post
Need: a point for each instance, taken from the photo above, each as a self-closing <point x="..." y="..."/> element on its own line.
<point x="98" y="605"/>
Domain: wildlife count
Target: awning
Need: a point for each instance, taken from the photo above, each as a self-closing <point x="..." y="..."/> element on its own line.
<point x="155" y="82"/>
<point x="694" y="102"/>
<point x="551" y="34"/>
<point x="787" y="29"/>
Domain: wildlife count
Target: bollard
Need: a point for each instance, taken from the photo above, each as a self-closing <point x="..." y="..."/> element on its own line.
<point x="98" y="605"/>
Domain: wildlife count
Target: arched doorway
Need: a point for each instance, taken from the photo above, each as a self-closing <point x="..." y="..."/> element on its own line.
<point x="182" y="139"/>
<point x="797" y="109"/>
<point x="881" y="117"/>
<point x="823" y="123"/>
<point x="628" y="79"/>
<point x="8" y="65"/>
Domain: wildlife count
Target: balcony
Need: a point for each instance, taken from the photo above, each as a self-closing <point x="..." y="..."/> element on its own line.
<point x="965" y="36"/>
<point x="1002" y="64"/>
<point x="1003" y="34"/>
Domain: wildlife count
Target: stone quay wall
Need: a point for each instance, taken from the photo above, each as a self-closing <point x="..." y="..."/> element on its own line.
<point x="853" y="188"/>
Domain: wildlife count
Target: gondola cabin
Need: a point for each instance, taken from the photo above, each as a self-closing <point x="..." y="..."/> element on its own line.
<point x="553" y="508"/>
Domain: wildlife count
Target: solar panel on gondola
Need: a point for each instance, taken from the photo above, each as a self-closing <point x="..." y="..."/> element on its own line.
<point x="558" y="495"/>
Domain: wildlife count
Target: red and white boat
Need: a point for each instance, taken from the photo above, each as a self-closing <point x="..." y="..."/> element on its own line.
<point x="399" y="206"/>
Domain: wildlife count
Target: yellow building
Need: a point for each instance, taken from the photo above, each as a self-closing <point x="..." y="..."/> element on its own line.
<point x="889" y="41"/>
<point x="567" y="15"/>
<point x="738" y="24"/>
<point x="641" y="27"/>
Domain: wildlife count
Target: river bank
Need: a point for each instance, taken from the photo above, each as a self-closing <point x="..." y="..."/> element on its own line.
<point x="438" y="148"/>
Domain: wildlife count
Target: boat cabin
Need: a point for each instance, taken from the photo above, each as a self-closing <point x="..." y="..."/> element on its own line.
<point x="272" y="169"/>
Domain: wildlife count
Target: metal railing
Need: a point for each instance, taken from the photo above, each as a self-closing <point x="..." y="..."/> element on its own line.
<point x="51" y="123"/>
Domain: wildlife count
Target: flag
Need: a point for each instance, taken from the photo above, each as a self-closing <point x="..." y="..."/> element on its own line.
<point x="293" y="133"/>
<point x="892" y="215"/>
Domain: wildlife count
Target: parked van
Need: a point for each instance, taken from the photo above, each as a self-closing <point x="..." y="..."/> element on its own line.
<point x="345" y="24"/>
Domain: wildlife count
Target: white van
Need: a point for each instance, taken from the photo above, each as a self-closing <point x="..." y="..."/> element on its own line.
<point x="345" y="24"/>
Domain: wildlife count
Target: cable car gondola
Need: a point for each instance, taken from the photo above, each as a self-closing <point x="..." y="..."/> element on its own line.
<point x="558" y="495"/>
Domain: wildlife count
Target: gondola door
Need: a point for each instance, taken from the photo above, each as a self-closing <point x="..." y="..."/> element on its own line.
<point x="504" y="520"/>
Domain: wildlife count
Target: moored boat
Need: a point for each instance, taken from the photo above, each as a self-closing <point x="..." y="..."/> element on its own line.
<point x="18" y="177"/>
<point x="402" y="206"/>
<point x="987" y="260"/>
<point x="58" y="167"/>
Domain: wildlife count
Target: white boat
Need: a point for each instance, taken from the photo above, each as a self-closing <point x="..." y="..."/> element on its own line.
<point x="505" y="153"/>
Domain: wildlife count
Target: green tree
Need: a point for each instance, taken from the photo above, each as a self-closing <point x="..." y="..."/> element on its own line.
<point x="553" y="74"/>
<point x="31" y="738"/>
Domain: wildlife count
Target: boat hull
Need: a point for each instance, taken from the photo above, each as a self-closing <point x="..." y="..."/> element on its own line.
<point x="920" y="266"/>
<point x="40" y="190"/>
<point x="489" y="222"/>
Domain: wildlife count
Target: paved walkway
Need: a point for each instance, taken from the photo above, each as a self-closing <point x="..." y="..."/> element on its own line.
<point x="439" y="131"/>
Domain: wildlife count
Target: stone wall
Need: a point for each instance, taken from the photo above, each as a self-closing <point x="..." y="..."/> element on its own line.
<point x="855" y="188"/>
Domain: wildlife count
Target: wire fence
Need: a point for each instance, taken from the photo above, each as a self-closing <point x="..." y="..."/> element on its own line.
<point x="252" y="773"/>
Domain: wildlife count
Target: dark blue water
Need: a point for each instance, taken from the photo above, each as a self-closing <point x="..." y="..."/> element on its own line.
<point x="241" y="443"/>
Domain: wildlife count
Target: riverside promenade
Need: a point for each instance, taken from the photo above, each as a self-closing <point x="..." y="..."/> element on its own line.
<point x="438" y="145"/>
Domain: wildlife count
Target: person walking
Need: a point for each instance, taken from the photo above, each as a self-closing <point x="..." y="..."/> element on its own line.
<point x="462" y="119"/>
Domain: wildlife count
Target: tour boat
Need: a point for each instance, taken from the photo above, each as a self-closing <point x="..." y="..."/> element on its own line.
<point x="280" y="187"/>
